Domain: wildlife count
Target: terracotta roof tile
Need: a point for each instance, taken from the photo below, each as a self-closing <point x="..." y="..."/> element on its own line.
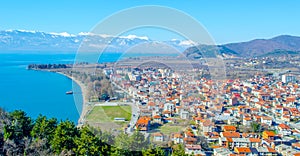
<point x="254" y="140"/>
<point x="243" y="149"/>
<point x="229" y="128"/>
<point x="231" y="134"/>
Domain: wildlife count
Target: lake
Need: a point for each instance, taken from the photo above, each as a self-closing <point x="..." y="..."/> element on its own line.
<point x="39" y="92"/>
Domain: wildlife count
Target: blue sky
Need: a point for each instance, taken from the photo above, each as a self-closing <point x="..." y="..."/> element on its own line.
<point x="226" y="20"/>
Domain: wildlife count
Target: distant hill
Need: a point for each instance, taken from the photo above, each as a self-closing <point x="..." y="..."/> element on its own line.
<point x="280" y="53"/>
<point x="284" y="44"/>
<point x="209" y="51"/>
<point x="262" y="46"/>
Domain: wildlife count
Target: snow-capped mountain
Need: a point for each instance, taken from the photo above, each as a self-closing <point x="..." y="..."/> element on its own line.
<point x="24" y="40"/>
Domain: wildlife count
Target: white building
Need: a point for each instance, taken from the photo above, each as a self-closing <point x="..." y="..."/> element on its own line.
<point x="286" y="78"/>
<point x="169" y="106"/>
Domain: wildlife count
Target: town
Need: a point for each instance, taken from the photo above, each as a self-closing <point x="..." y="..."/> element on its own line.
<point x="259" y="115"/>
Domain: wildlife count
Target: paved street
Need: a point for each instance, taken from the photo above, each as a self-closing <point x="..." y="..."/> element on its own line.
<point x="134" y="111"/>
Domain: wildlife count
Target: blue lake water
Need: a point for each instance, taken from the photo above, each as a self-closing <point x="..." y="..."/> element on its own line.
<point x="38" y="92"/>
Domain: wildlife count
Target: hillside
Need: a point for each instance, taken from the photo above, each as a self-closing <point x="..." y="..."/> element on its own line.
<point x="258" y="47"/>
<point x="209" y="51"/>
<point x="262" y="46"/>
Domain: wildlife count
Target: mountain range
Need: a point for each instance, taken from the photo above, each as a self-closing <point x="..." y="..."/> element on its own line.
<point x="24" y="40"/>
<point x="280" y="45"/>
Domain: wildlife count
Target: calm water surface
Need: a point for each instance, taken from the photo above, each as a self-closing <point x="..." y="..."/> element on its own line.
<point x="38" y="92"/>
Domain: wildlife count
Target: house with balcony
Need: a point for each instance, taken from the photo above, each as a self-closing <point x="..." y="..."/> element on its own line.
<point x="143" y="123"/>
<point x="158" y="137"/>
<point x="268" y="135"/>
<point x="284" y="129"/>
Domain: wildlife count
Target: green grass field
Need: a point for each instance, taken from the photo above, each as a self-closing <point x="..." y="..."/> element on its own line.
<point x="108" y="113"/>
<point x="168" y="129"/>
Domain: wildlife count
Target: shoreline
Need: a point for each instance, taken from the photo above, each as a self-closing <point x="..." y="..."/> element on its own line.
<point x="83" y="94"/>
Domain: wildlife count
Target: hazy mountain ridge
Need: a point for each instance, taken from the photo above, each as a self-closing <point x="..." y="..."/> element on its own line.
<point x="284" y="44"/>
<point x="200" y="51"/>
<point x="23" y="40"/>
<point x="263" y="46"/>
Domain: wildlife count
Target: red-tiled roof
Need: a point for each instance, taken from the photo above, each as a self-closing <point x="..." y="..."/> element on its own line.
<point x="269" y="133"/>
<point x="271" y="150"/>
<point x="143" y="120"/>
<point x="157" y="117"/>
<point x="283" y="126"/>
<point x="254" y="140"/>
<point x="157" y="134"/>
<point x="231" y="134"/>
<point x="229" y="128"/>
<point x="177" y="135"/>
<point x="243" y="149"/>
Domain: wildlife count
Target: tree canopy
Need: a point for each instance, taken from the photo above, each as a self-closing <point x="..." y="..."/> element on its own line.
<point x="21" y="135"/>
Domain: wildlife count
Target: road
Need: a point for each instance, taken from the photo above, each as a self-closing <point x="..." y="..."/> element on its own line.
<point x="135" y="111"/>
<point x="134" y="117"/>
